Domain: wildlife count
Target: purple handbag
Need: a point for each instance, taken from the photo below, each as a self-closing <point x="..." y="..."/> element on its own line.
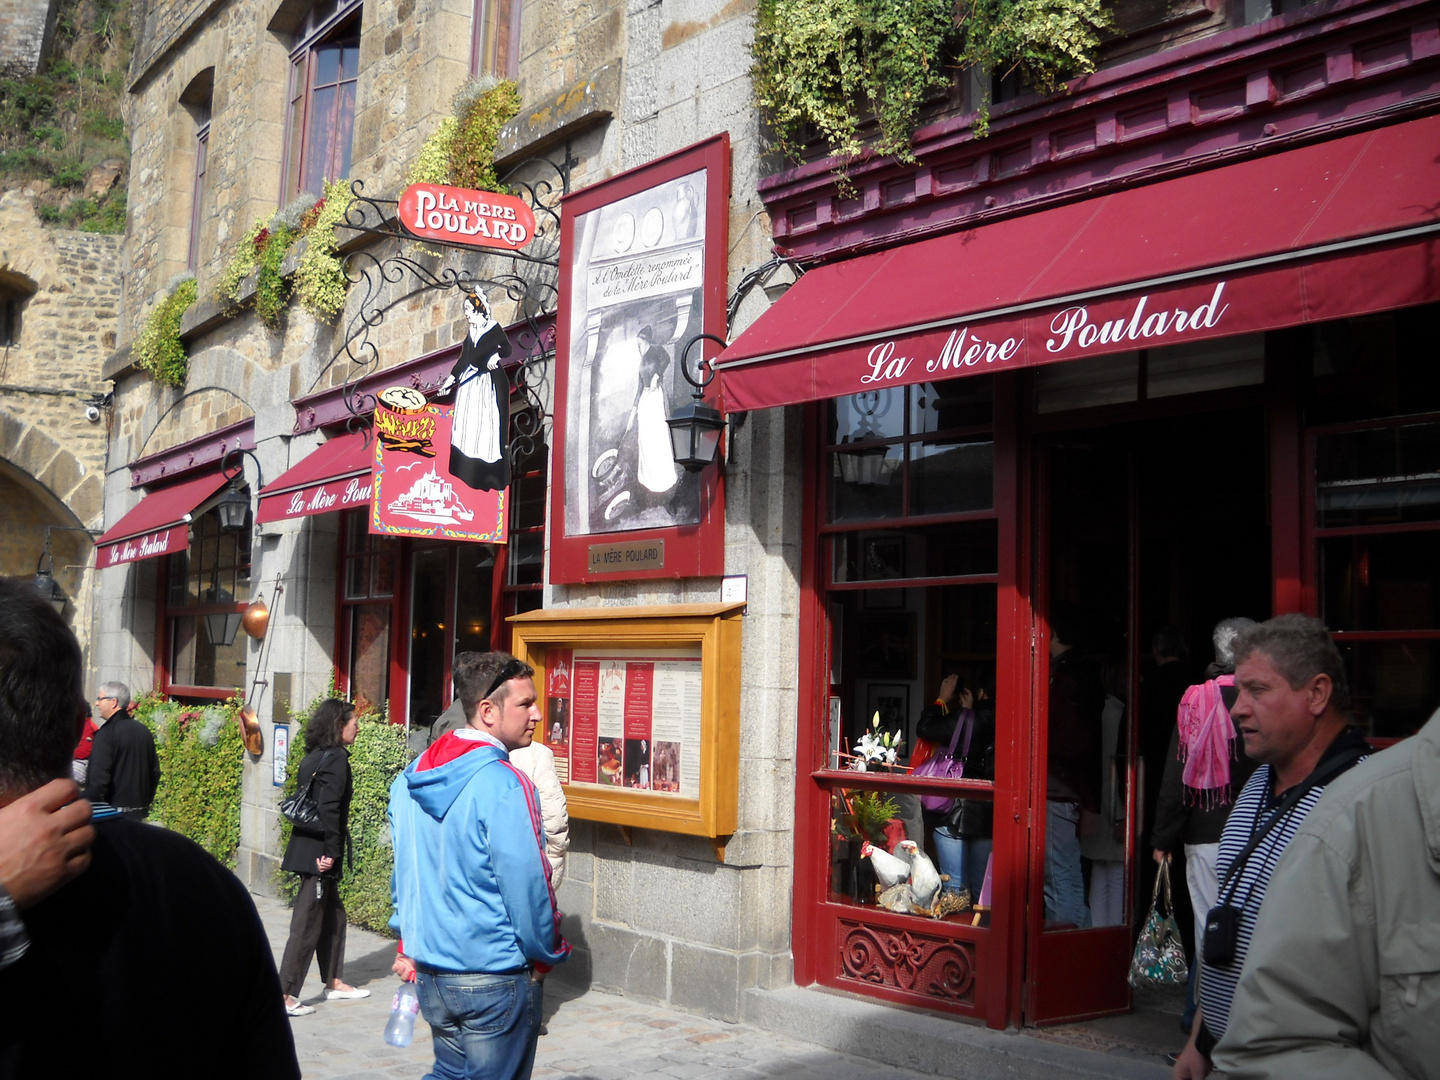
<point x="946" y="766"/>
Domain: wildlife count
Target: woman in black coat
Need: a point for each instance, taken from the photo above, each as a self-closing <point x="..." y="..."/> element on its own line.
<point x="318" y="922"/>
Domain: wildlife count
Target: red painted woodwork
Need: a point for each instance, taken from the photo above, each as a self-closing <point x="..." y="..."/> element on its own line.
<point x="908" y="960"/>
<point x="1248" y="91"/>
<point x="326" y="408"/>
<point x="206" y="451"/>
<point x="690" y="551"/>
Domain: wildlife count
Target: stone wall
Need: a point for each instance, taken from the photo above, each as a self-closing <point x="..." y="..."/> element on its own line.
<point x="662" y="919"/>
<point x="52" y="457"/>
<point x="25" y="30"/>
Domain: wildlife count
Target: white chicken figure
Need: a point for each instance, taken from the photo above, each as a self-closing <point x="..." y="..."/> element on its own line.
<point x="924" y="878"/>
<point x="889" y="870"/>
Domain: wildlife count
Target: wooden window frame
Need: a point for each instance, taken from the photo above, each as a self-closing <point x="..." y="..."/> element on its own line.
<point x="314" y="35"/>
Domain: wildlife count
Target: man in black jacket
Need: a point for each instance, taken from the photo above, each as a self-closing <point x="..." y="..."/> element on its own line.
<point x="124" y="769"/>
<point x="88" y="996"/>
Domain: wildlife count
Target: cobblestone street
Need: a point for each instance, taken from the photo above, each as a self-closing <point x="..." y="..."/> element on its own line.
<point x="592" y="1036"/>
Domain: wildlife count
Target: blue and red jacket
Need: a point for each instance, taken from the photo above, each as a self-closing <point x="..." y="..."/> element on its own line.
<point x="472" y="884"/>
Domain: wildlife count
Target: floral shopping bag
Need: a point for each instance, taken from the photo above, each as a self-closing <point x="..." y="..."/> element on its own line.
<point x="1159" y="955"/>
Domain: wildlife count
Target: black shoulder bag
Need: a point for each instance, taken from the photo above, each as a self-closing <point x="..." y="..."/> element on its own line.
<point x="300" y="809"/>
<point x="1222" y="922"/>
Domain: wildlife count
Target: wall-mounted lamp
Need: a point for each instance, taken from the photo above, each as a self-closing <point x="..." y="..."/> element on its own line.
<point x="221" y="627"/>
<point x="233" y="509"/>
<point x="44" y="580"/>
<point x="695" y="428"/>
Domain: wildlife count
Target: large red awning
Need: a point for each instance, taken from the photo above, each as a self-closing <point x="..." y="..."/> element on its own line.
<point x="335" y="476"/>
<point x="1342" y="228"/>
<point x="157" y="525"/>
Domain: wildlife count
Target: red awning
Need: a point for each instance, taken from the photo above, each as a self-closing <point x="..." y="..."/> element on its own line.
<point x="1341" y="228"/>
<point x="157" y="526"/>
<point x="335" y="476"/>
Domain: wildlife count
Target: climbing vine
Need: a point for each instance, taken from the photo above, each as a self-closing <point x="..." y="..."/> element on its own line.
<point x="824" y="64"/>
<point x="318" y="282"/>
<point x="461" y="152"/>
<point x="158" y="348"/>
<point x="202" y="759"/>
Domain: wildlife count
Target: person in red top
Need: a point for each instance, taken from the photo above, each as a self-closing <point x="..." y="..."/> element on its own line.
<point x="80" y="764"/>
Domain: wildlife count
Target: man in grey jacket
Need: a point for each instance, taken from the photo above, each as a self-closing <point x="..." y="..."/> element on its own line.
<point x="1343" y="976"/>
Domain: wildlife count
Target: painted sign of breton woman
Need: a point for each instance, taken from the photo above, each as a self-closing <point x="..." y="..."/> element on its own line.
<point x="481" y="393"/>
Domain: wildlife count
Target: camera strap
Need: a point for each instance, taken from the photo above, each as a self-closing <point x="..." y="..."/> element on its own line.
<point x="1323" y="774"/>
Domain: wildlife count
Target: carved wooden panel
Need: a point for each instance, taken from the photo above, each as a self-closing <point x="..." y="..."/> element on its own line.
<point x="922" y="964"/>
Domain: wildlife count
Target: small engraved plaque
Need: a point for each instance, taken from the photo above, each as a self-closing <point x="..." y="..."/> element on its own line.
<point x="625" y="557"/>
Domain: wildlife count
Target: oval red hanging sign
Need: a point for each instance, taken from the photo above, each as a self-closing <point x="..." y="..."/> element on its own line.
<point x="477" y="218"/>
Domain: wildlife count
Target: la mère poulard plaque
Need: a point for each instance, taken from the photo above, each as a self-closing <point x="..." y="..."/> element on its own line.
<point x="461" y="216"/>
<point x="642" y="711"/>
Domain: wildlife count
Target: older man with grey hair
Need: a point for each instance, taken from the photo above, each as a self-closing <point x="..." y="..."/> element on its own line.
<point x="124" y="768"/>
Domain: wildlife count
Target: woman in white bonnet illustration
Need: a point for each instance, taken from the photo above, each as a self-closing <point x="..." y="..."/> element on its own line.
<point x="481" y="393"/>
<point x="656" y="460"/>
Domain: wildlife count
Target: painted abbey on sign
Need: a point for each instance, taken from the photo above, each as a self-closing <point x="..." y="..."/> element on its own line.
<point x="460" y="216"/>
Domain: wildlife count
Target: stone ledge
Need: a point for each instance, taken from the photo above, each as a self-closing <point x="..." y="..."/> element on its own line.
<point x="208" y="313"/>
<point x="586" y="104"/>
<point x="911" y="1039"/>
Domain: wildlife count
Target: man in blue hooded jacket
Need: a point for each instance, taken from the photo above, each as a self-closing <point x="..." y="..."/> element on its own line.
<point x="477" y="918"/>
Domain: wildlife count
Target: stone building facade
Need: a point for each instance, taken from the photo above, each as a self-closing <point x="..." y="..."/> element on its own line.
<point x="62" y="291"/>
<point x="609" y="87"/>
<point x="1186" y="92"/>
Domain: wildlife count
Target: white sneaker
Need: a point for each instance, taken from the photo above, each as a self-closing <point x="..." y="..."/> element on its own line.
<point x="346" y="995"/>
<point x="299" y="1010"/>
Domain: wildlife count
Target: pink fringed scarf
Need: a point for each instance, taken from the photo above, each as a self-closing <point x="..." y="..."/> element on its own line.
<point x="1207" y="736"/>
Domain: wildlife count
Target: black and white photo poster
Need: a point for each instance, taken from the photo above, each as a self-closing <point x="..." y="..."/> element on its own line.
<point x="637" y="279"/>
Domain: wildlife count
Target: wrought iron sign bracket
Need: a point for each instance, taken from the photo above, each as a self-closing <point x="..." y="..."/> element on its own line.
<point x="396" y="274"/>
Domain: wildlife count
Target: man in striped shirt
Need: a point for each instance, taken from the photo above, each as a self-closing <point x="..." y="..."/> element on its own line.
<point x="1293" y="715"/>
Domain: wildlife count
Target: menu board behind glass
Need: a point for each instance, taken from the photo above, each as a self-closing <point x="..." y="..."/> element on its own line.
<point x="626" y="718"/>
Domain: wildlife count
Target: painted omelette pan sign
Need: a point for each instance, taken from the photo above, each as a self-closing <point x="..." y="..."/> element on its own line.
<point x="476" y="218"/>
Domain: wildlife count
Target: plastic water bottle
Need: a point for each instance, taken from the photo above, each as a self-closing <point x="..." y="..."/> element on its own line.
<point x="403" y="1009"/>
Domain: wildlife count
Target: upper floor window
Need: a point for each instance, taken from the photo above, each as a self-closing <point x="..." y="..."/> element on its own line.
<point x="14" y="291"/>
<point x="323" y="69"/>
<point x="495" y="38"/>
<point x="197" y="99"/>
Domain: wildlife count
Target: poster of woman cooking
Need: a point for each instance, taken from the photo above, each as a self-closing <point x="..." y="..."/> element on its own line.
<point x="481" y="393"/>
<point x="637" y="296"/>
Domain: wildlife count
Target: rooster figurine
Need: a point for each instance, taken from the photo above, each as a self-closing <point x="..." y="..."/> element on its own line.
<point x="889" y="870"/>
<point x="924" y="878"/>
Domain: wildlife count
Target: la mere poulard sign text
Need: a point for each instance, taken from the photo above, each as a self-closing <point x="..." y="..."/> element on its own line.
<point x="459" y="216"/>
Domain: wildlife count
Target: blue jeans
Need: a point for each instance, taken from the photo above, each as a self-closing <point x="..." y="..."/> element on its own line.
<point x="483" y="1025"/>
<point x="1064" y="879"/>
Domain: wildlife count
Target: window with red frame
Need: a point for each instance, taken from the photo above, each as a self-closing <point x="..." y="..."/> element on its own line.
<point x="524" y="588"/>
<point x="323" y="70"/>
<point x="206" y="590"/>
<point x="369" y="570"/>
<point x="495" y="38"/>
<point x="1374" y="442"/>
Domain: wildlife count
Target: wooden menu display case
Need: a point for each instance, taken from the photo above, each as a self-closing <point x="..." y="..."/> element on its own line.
<point x="641" y="708"/>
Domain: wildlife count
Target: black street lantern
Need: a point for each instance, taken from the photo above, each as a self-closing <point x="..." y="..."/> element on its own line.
<point x="49" y="588"/>
<point x="222" y="626"/>
<point x="695" y="434"/>
<point x="695" y="428"/>
<point x="233" y="508"/>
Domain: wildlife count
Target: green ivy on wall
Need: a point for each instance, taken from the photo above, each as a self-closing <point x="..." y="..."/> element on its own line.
<point x="377" y="757"/>
<point x="461" y="152"/>
<point x="158" y="348"/>
<point x="202" y="759"/>
<point x="319" y="282"/>
<point x="825" y="63"/>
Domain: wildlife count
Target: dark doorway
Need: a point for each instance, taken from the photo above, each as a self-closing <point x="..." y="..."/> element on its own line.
<point x="1142" y="525"/>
